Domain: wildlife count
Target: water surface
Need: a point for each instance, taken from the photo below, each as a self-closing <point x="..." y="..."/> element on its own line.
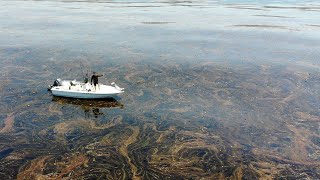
<point x="213" y="89"/>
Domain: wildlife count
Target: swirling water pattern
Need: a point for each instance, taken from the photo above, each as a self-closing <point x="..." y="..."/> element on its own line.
<point x="213" y="90"/>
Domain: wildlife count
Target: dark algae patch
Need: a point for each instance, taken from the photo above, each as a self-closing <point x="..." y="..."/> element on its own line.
<point x="174" y="121"/>
<point x="4" y="153"/>
<point x="212" y="90"/>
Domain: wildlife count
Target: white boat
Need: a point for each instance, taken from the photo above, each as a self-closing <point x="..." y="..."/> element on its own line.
<point x="76" y="89"/>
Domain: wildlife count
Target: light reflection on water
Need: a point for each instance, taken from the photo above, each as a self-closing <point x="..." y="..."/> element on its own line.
<point x="208" y="93"/>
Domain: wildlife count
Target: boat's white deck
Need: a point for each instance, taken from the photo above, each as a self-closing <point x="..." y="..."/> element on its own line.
<point x="78" y="87"/>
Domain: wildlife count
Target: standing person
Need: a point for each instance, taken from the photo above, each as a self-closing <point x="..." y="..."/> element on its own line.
<point x="94" y="79"/>
<point x="86" y="78"/>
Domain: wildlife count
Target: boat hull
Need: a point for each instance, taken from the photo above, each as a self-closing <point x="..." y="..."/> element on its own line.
<point x="85" y="91"/>
<point x="82" y="95"/>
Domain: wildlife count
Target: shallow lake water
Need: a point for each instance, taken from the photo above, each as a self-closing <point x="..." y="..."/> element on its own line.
<point x="213" y="89"/>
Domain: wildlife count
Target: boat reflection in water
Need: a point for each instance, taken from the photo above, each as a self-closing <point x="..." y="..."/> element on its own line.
<point x="91" y="107"/>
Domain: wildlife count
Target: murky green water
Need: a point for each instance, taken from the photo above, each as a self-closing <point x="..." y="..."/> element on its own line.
<point x="213" y="90"/>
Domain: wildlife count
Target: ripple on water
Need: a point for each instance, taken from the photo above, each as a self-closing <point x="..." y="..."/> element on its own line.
<point x="198" y="121"/>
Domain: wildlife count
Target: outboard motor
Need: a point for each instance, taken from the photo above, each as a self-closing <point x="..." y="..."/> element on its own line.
<point x="57" y="82"/>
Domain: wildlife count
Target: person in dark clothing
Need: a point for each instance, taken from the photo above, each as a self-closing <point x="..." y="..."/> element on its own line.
<point x="86" y="78"/>
<point x="94" y="79"/>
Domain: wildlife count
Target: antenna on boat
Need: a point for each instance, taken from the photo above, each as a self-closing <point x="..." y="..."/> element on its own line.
<point x="83" y="77"/>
